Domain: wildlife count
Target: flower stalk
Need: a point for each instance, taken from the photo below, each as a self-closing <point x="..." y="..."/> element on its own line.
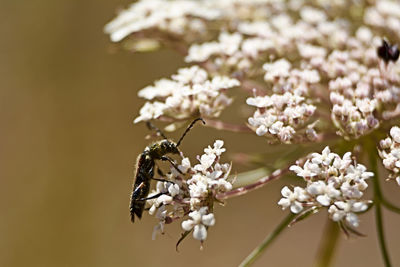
<point x="378" y="200"/>
<point x="328" y="244"/>
<point x="253" y="256"/>
<point x="253" y="186"/>
<point x="390" y="206"/>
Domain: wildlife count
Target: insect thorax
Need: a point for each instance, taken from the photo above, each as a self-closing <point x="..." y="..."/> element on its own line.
<point x="161" y="148"/>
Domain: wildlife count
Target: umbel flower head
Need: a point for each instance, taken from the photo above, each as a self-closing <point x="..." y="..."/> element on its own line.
<point x="284" y="114"/>
<point x="332" y="182"/>
<point x="191" y="192"/>
<point x="176" y="17"/>
<point x="297" y="74"/>
<point x="322" y="75"/>
<point x="390" y="153"/>
<point x="189" y="93"/>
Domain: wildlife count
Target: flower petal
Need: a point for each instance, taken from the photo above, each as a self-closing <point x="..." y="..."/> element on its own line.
<point x="200" y="232"/>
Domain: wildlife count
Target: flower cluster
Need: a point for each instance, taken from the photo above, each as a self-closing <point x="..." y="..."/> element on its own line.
<point x="362" y="92"/>
<point x="359" y="92"/>
<point x="189" y="93"/>
<point x="353" y="75"/>
<point x="320" y="71"/>
<point x="191" y="191"/>
<point x="335" y="69"/>
<point x="285" y="113"/>
<point x="231" y="50"/>
<point x="385" y="16"/>
<point x="176" y="17"/>
<point x="335" y="183"/>
<point x="390" y="153"/>
<point x="279" y="35"/>
<point x="253" y="42"/>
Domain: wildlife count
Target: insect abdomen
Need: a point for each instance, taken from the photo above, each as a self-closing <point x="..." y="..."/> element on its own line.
<point x="141" y="187"/>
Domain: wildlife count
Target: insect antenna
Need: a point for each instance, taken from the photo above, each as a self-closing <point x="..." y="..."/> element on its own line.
<point x="188" y="129"/>
<point x="155" y="128"/>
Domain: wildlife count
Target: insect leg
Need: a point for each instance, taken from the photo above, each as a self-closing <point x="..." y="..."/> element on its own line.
<point x="159" y="171"/>
<point x="166" y="158"/>
<point x="163" y="180"/>
<point x="152" y="197"/>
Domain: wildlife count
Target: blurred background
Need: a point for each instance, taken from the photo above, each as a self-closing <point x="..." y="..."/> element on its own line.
<point x="68" y="149"/>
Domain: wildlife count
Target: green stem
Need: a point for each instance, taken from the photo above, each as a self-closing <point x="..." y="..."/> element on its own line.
<point x="390" y="206"/>
<point x="381" y="236"/>
<point x="267" y="241"/>
<point x="378" y="207"/>
<point x="328" y="244"/>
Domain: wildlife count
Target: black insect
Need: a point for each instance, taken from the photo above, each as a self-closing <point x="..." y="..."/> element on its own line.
<point x="145" y="168"/>
<point x="388" y="52"/>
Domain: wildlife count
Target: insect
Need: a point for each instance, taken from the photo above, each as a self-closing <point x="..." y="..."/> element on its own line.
<point x="388" y="52"/>
<point x="145" y="168"/>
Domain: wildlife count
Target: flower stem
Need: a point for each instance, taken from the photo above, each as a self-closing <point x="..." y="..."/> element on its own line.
<point x="328" y="244"/>
<point x="378" y="208"/>
<point x="267" y="241"/>
<point x="390" y="206"/>
<point x="253" y="186"/>
<point x="379" y="226"/>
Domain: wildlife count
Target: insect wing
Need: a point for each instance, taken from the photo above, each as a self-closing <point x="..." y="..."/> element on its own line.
<point x="141" y="187"/>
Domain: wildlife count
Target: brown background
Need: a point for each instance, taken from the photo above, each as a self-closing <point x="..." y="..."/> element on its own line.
<point x="68" y="146"/>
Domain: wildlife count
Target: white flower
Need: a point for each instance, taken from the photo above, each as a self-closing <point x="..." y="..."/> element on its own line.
<point x="161" y="216"/>
<point x="260" y="28"/>
<point x="173" y="190"/>
<point x="311" y="51"/>
<point x="170" y="16"/>
<point x="324" y="158"/>
<point x="385" y="143"/>
<point x="210" y="176"/>
<point x="252" y="47"/>
<point x="206" y="161"/>
<point x="162" y="88"/>
<point x="334" y="182"/>
<point x="188" y="94"/>
<point x="347" y="210"/>
<point x="293" y="199"/>
<point x="193" y="74"/>
<point x="185" y="165"/>
<point x="227" y="44"/>
<point x="395" y="134"/>
<point x="390" y="153"/>
<point x="281" y="114"/>
<point x="191" y="190"/>
<point x="312" y="71"/>
<point x="217" y="149"/>
<point x="150" y="111"/>
<point x="198" y="187"/>
<point x="309" y="170"/>
<point x="279" y="68"/>
<point x="199" y="220"/>
<point x="312" y="15"/>
<point x="324" y="193"/>
<point x="259" y="101"/>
